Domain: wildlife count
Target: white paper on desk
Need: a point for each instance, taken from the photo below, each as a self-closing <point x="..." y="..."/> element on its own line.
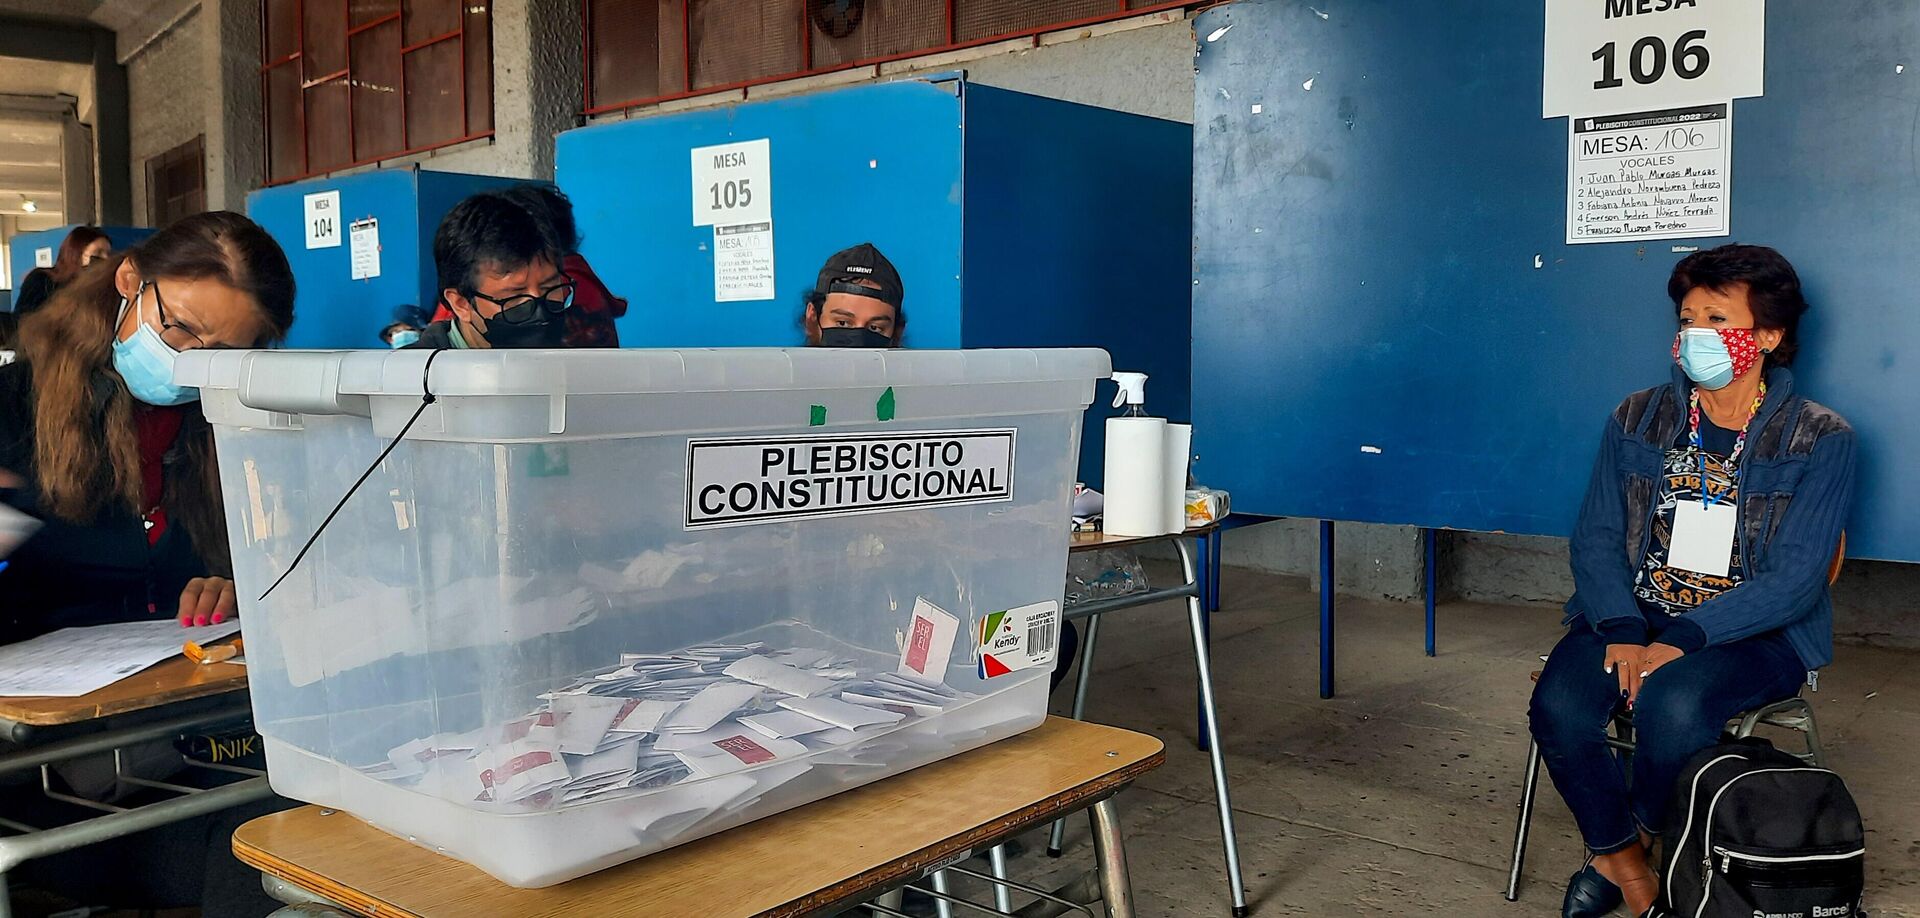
<point x="778" y="676"/>
<point x="74" y="661"/>
<point x="714" y="704"/>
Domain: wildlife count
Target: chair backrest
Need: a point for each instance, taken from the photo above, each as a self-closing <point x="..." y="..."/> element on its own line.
<point x="1839" y="558"/>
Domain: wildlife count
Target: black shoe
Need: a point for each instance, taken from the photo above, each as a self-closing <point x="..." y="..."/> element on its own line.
<point x="1590" y="895"/>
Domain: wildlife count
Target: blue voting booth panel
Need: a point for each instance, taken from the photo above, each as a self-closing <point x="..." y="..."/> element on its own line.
<point x="334" y="310"/>
<point x="1015" y="221"/>
<point x="25" y="247"/>
<point x="1389" y="325"/>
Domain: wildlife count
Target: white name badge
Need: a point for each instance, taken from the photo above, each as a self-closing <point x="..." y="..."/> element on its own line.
<point x="1702" y="537"/>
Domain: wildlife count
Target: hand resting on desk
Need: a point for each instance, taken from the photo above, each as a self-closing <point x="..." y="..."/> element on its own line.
<point x="207" y="601"/>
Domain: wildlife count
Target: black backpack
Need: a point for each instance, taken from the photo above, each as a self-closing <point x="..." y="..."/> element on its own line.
<point x="1758" y="833"/>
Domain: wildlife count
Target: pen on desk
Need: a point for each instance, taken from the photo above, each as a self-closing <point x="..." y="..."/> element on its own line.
<point x="216" y="654"/>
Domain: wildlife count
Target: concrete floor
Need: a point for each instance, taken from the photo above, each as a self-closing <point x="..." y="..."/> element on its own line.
<point x="1398" y="796"/>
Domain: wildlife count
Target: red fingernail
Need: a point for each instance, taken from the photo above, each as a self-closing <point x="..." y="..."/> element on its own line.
<point x="217" y="619"/>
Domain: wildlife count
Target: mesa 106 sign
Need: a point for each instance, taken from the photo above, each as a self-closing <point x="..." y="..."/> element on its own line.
<point x="1606" y="56"/>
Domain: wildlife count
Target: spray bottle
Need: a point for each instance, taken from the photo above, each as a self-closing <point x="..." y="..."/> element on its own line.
<point x="1136" y="477"/>
<point x="1132" y="393"/>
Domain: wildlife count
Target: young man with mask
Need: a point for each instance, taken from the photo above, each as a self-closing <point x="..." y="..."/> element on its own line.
<point x="857" y="301"/>
<point x="500" y="277"/>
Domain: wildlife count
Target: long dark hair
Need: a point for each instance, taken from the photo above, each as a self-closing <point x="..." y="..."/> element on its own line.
<point x="67" y="264"/>
<point x="86" y="450"/>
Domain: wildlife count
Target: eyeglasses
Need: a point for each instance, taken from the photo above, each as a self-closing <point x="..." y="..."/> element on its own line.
<point x="527" y="307"/>
<point x="177" y="336"/>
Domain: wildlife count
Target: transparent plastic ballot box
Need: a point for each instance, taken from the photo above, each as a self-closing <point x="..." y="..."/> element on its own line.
<point x="598" y="603"/>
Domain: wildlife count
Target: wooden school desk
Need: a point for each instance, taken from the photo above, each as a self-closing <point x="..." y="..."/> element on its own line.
<point x="832" y="854"/>
<point x="158" y="703"/>
<point x="1190" y="590"/>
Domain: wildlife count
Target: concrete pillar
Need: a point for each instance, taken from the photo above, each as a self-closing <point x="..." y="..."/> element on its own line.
<point x="536" y="82"/>
<point x="111" y="134"/>
<point x="235" y="132"/>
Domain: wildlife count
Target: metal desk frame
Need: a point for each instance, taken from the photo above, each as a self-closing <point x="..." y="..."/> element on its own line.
<point x="1429" y="546"/>
<point x="1191" y="589"/>
<point x="1210" y="593"/>
<point x="29" y="842"/>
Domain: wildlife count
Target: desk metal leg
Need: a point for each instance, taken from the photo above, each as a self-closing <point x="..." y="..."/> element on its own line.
<point x="1326" y="608"/>
<point x="1207" y="588"/>
<point x="1203" y="663"/>
<point x="941" y="907"/>
<point x="1215" y="547"/>
<point x="997" y="863"/>
<point x="1430" y="543"/>
<point x="892" y="900"/>
<point x="1057" y="838"/>
<point x="1110" y="853"/>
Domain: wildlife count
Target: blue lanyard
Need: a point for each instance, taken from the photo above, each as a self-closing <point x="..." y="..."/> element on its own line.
<point x="1706" y="493"/>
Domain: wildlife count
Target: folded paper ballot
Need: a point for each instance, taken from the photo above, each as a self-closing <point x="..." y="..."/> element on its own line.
<point x="928" y="643"/>
<point x="584" y="720"/>
<point x="738" y="752"/>
<point x="639" y="715"/>
<point x="840" y="713"/>
<point x="784" y="724"/>
<point x="712" y="705"/>
<point x="778" y="676"/>
<point x="681" y="742"/>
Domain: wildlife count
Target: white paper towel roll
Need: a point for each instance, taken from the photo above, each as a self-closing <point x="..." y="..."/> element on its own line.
<point x="1136" y="476"/>
<point x="1179" y="447"/>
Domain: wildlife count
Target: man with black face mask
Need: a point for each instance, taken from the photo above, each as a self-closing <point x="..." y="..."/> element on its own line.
<point x="856" y="302"/>
<point x="499" y="276"/>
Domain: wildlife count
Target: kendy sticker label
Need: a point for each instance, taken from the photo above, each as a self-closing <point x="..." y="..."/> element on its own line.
<point x="1018" y="639"/>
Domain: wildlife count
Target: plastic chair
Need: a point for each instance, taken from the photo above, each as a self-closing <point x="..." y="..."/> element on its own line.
<point x="1792" y="714"/>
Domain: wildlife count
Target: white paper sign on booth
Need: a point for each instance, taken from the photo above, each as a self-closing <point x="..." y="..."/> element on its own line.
<point x="1650" y="55"/>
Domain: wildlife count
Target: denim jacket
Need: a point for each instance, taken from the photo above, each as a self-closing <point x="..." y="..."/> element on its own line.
<point x="1796" y="487"/>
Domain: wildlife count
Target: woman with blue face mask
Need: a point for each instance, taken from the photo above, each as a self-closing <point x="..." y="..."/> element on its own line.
<point x="1700" y="563"/>
<point x="113" y="459"/>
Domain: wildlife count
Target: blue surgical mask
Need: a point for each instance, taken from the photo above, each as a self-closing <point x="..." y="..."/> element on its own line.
<point x="402" y="339"/>
<point x="145" y="362"/>
<point x="1703" y="355"/>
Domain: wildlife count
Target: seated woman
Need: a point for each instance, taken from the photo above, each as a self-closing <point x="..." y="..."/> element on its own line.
<point x="1699" y="562"/>
<point x="107" y="452"/>
<point x="82" y="247"/>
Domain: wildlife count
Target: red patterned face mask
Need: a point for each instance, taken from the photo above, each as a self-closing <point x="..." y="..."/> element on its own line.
<point x="1715" y="357"/>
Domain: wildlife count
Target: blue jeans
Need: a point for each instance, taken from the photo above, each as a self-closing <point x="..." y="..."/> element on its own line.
<point x="1683" y="708"/>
